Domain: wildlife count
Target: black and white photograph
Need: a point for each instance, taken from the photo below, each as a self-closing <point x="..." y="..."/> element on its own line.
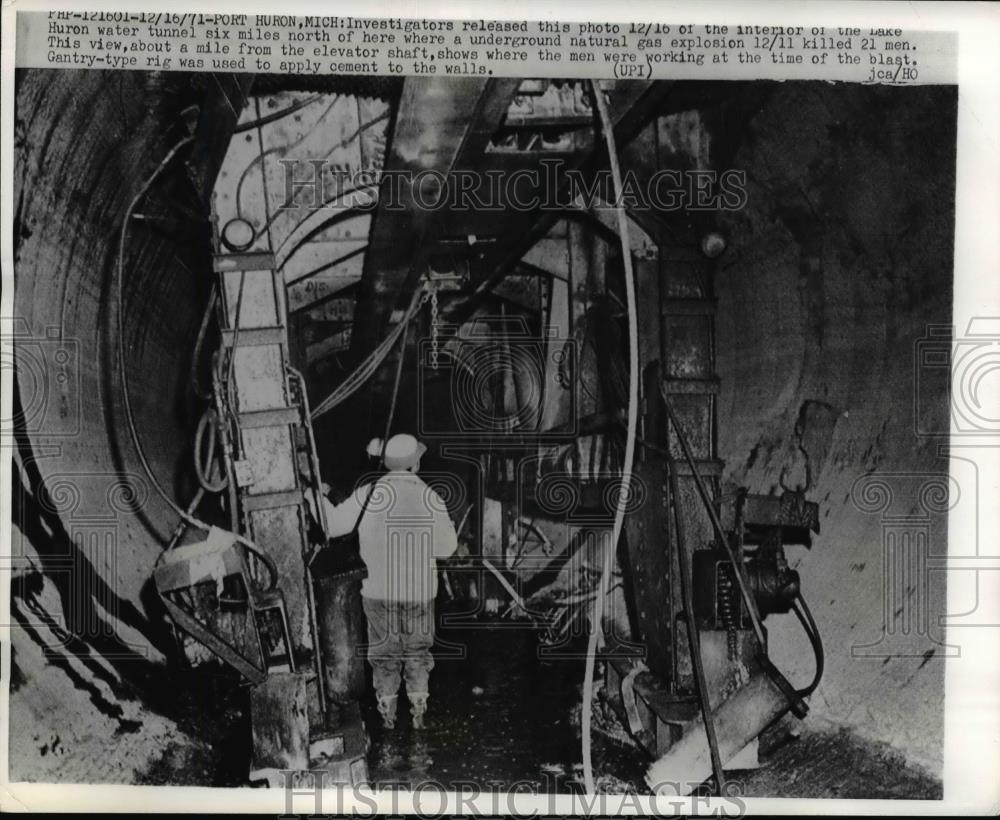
<point x="552" y="434"/>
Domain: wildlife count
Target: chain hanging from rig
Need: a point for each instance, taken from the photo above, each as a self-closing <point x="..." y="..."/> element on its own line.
<point x="434" y="326"/>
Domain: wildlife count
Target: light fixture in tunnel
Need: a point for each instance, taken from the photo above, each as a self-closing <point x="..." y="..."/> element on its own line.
<point x="238" y="234"/>
<point x="713" y="244"/>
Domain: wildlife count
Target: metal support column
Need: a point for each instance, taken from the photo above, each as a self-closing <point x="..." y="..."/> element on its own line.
<point x="268" y="475"/>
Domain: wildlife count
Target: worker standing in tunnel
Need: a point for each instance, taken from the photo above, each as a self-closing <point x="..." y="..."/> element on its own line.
<point x="403" y="529"/>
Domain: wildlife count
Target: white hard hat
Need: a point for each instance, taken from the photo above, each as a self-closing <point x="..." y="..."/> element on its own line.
<point x="403" y="452"/>
<point x="374" y="448"/>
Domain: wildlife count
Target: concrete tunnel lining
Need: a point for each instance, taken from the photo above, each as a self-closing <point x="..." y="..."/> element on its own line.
<point x="877" y="248"/>
<point x="74" y="182"/>
<point x="75" y="186"/>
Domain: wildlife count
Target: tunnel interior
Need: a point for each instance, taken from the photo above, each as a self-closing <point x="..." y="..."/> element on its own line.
<point x="835" y="275"/>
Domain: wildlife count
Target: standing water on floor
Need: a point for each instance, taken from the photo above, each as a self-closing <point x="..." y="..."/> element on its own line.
<point x="505" y="720"/>
<point x="498" y="716"/>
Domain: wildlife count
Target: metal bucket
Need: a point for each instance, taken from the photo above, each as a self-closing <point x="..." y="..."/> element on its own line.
<point x="341" y="625"/>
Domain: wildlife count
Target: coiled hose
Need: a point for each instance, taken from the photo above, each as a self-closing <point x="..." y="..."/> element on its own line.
<point x="207" y="423"/>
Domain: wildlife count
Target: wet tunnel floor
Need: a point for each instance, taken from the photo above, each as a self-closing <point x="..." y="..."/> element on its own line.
<point x="503" y="719"/>
<point x="497" y="715"/>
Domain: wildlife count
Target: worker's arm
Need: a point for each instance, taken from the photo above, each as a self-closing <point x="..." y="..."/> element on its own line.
<point x="341" y="518"/>
<point x="445" y="537"/>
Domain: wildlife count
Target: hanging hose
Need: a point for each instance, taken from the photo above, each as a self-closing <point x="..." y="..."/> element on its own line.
<point x="633" y="415"/>
<point x="363" y="372"/>
<point x="236" y="338"/>
<point x="207" y="422"/>
<point x="199" y="391"/>
<point x="601" y="106"/>
<point x="392" y="405"/>
<point x="129" y="417"/>
<point x="229" y="456"/>
<point x="694" y="636"/>
<point x="184" y="515"/>
<point x="805" y="617"/>
<point x="395" y="389"/>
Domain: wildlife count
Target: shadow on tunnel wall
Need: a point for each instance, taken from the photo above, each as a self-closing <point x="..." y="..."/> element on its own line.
<point x="87" y="525"/>
<point x="86" y="624"/>
<point x="85" y="143"/>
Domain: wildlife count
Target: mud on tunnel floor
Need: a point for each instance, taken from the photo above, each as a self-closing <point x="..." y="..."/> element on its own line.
<point x="502" y="718"/>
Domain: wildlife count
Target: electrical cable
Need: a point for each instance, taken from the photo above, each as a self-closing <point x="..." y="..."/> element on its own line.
<point x="748" y="598"/>
<point x="231" y="366"/>
<point x="123" y="374"/>
<point x="261" y="556"/>
<point x="199" y="342"/>
<point x="364" y="371"/>
<point x="633" y="416"/>
<point x="694" y="636"/>
<point x="311" y="225"/>
<point x="801" y="608"/>
<point x="129" y="416"/>
<point x="277" y="115"/>
<point x="395" y="389"/>
<point x="207" y="423"/>
<point x="392" y="411"/>
<point x="260" y="157"/>
<point x="270" y="219"/>
<point x="804" y="614"/>
<point x="263" y="182"/>
<point x="805" y="617"/>
<point x="182" y="525"/>
<point x="227" y="444"/>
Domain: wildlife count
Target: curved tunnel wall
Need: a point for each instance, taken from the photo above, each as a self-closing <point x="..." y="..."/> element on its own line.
<point x="838" y="265"/>
<point x="85" y="142"/>
<point x="832" y="274"/>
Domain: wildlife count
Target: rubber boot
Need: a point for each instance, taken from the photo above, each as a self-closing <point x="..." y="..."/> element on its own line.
<point x="418" y="708"/>
<point x="387" y="709"/>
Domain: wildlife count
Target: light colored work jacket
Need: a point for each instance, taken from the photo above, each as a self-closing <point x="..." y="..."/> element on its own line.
<point x="405" y="529"/>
